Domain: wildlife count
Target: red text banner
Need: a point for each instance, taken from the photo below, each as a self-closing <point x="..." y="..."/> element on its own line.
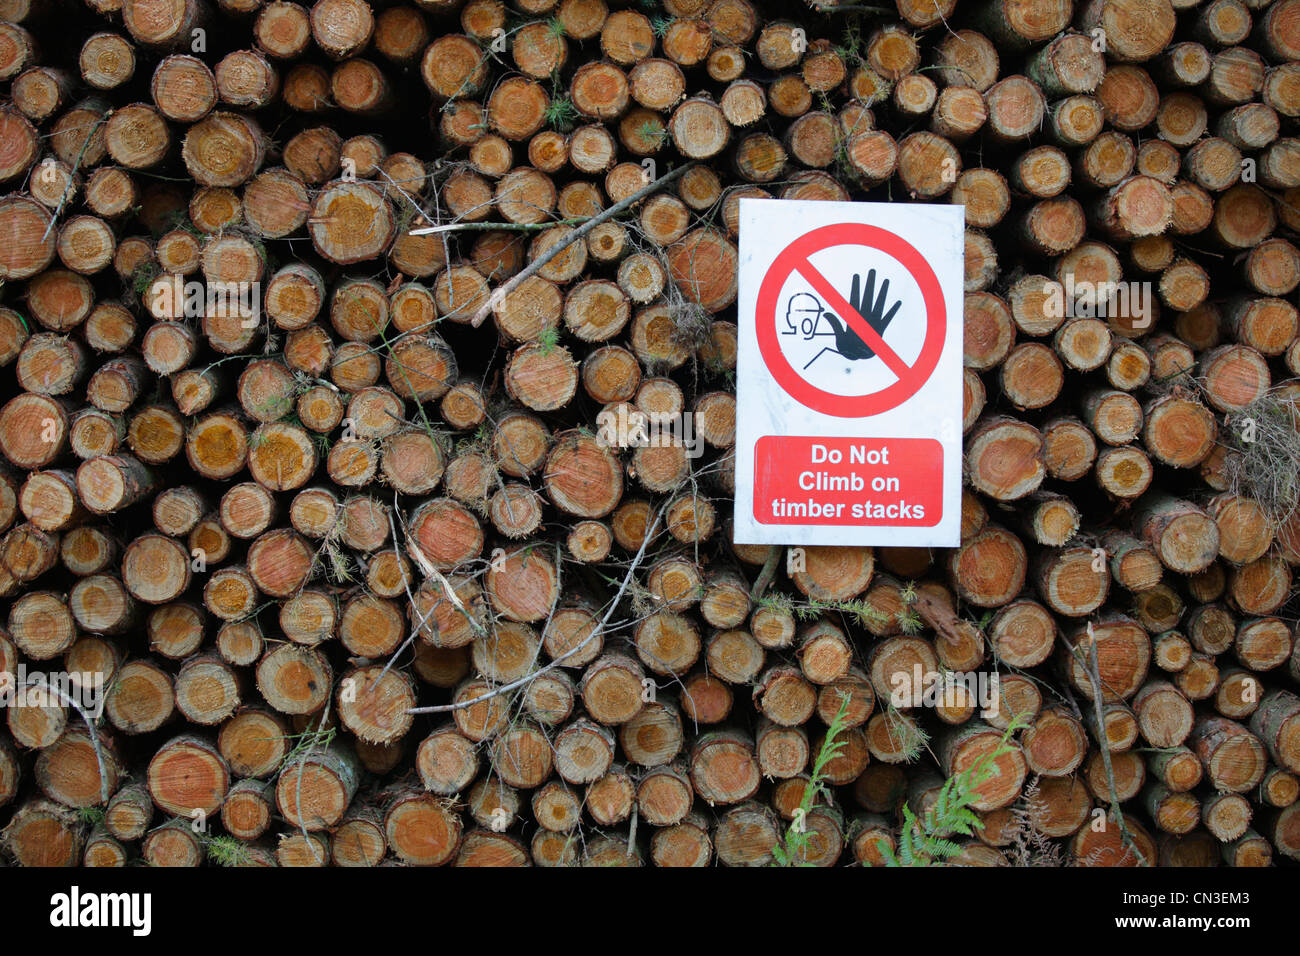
<point x="869" y="482"/>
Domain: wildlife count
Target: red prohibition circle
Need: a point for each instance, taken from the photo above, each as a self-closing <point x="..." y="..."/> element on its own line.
<point x="796" y="255"/>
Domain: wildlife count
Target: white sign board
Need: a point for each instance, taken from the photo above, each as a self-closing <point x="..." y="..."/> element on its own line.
<point x="849" y="391"/>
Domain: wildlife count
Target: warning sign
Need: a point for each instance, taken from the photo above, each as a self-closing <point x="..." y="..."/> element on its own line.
<point x="849" y="391"/>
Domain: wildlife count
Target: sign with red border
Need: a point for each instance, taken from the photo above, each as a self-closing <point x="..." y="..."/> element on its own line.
<point x="849" y="390"/>
<point x="908" y="378"/>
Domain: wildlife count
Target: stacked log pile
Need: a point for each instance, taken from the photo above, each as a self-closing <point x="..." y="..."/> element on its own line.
<point x="369" y="576"/>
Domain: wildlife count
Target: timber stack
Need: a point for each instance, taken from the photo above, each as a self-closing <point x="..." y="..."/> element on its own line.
<point x="327" y="331"/>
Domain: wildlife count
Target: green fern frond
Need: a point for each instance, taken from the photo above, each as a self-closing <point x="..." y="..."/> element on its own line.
<point x="924" y="841"/>
<point x="793" y="849"/>
<point x="942" y="849"/>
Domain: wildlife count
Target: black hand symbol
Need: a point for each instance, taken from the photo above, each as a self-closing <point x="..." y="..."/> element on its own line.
<point x="873" y="312"/>
<point x="847" y="342"/>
